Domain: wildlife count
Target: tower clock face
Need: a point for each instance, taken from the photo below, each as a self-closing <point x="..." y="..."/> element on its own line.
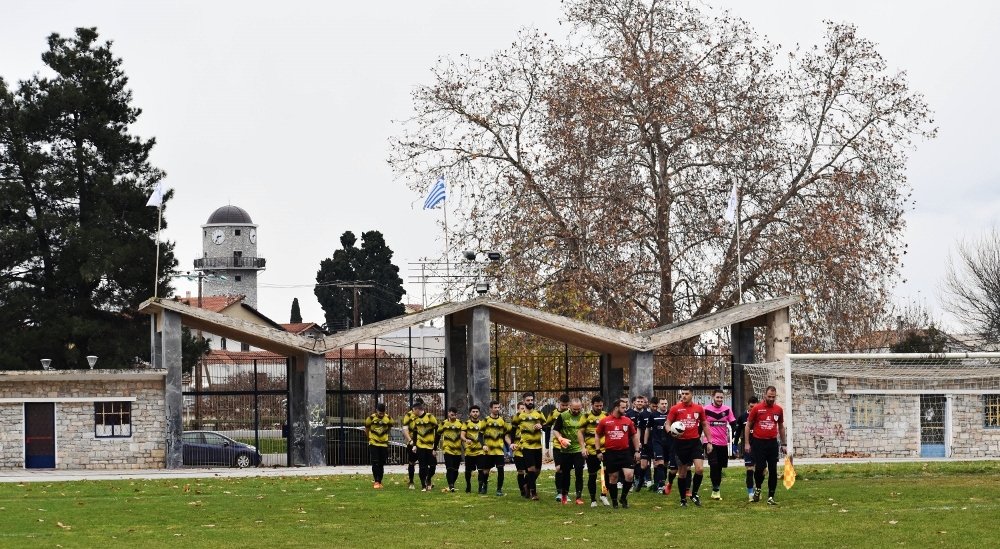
<point x="218" y="236"/>
<point x="253" y="236"/>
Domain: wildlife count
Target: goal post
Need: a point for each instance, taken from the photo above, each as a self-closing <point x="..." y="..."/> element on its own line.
<point x="887" y="405"/>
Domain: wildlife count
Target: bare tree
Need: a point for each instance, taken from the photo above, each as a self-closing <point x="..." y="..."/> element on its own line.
<point x="971" y="289"/>
<point x="601" y="167"/>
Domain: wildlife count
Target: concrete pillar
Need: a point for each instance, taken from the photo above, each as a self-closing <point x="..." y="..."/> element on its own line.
<point x="742" y="353"/>
<point x="479" y="359"/>
<point x="612" y="380"/>
<point x="170" y="338"/>
<point x="778" y="338"/>
<point x="307" y="410"/>
<point x="156" y="344"/>
<point x="640" y="373"/>
<point x="456" y="374"/>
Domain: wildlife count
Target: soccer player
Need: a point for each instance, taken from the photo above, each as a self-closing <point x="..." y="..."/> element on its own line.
<point x="472" y="438"/>
<point x="720" y="417"/>
<point x="450" y="436"/>
<point x="687" y="445"/>
<point x="410" y="436"/>
<point x="495" y="429"/>
<point x="645" y="415"/>
<point x="424" y="426"/>
<point x="561" y="406"/>
<point x="635" y="414"/>
<point x="619" y="450"/>
<point x="765" y="422"/>
<point x="377" y="427"/>
<point x="594" y="417"/>
<point x="515" y="423"/>
<point x="567" y="433"/>
<point x="530" y="442"/>
<point x="654" y="444"/>
<point x="738" y="442"/>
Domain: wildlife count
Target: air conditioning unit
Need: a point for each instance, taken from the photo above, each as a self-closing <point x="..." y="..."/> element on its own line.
<point x="825" y="385"/>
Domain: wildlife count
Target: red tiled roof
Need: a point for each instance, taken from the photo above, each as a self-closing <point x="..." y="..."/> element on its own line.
<point x="214" y="303"/>
<point x="299" y="327"/>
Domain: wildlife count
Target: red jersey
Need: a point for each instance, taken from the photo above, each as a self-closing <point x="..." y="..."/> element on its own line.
<point x="764" y="420"/>
<point x="691" y="415"/>
<point x="617" y="432"/>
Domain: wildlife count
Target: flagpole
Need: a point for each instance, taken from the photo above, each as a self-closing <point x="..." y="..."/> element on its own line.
<point x="739" y="256"/>
<point x="156" y="273"/>
<point x="447" y="250"/>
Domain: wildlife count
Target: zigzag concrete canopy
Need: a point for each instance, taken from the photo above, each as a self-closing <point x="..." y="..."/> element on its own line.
<point x="577" y="333"/>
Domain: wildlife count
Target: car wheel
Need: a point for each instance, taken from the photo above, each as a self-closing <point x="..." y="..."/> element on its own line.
<point x="242" y="461"/>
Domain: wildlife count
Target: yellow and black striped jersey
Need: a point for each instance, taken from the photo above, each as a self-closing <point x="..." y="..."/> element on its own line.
<point x="515" y="423"/>
<point x="550" y="420"/>
<point x="407" y="423"/>
<point x="378" y="429"/>
<point x="474" y="434"/>
<point x="528" y="437"/>
<point x="425" y="428"/>
<point x="451" y="436"/>
<point x="590" y="429"/>
<point x="494" y="431"/>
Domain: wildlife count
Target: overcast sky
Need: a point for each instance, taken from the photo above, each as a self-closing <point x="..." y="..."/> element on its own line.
<point x="286" y="111"/>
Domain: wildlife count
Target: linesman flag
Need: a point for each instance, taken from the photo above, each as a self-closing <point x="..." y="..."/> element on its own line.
<point x="730" y="214"/>
<point x="436" y="196"/>
<point x="788" y="473"/>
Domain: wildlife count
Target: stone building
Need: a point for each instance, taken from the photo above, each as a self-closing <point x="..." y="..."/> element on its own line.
<point x="82" y="419"/>
<point x="229" y="255"/>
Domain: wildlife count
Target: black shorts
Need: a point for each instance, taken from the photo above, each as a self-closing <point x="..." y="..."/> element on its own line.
<point x="646" y="452"/>
<point x="519" y="462"/>
<point x="570" y="460"/>
<point x="616" y="460"/>
<point x="719" y="456"/>
<point x="472" y="462"/>
<point x="532" y="459"/>
<point x="656" y="450"/>
<point x="378" y="454"/>
<point x="489" y="461"/>
<point x="687" y="450"/>
<point x="452" y="461"/>
<point x="593" y="464"/>
<point x="765" y="451"/>
<point x="411" y="454"/>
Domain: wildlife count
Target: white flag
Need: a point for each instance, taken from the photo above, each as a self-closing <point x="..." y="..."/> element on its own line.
<point x="730" y="214"/>
<point x="156" y="199"/>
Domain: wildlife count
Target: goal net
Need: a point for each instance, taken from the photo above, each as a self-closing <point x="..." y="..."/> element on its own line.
<point x="887" y="405"/>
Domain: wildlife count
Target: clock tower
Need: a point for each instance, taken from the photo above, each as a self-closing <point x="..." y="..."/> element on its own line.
<point x="229" y="252"/>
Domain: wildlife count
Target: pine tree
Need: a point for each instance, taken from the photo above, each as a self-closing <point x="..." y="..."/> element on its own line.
<point x="371" y="268"/>
<point x="296" y="315"/>
<point x="76" y="250"/>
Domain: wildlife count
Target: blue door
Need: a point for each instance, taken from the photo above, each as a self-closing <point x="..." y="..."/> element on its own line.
<point x="932" y="425"/>
<point x="39" y="435"/>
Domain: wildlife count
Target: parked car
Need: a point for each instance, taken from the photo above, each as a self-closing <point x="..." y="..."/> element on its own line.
<point x="349" y="446"/>
<point x="211" y="448"/>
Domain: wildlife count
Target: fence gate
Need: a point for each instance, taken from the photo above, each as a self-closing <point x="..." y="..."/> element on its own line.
<point x="246" y="402"/>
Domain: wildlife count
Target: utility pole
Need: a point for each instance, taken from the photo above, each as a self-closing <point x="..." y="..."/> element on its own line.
<point x="357" y="296"/>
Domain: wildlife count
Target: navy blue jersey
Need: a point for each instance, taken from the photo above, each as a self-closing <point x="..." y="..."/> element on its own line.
<point x="655" y="424"/>
<point x="644" y="417"/>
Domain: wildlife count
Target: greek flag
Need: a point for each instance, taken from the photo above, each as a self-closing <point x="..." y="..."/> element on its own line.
<point x="730" y="214"/>
<point x="436" y="196"/>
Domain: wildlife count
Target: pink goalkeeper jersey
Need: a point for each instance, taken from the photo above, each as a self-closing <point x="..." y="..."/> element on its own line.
<point x="718" y="419"/>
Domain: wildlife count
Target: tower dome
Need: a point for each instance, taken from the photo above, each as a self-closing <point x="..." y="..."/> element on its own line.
<point x="228" y="215"/>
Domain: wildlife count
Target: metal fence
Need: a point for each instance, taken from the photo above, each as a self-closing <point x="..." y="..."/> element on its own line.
<point x="243" y="401"/>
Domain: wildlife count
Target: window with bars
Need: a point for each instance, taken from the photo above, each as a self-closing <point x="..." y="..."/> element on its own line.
<point x="867" y="411"/>
<point x="112" y="419"/>
<point x="991" y="411"/>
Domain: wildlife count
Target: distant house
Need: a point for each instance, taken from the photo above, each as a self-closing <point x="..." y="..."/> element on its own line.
<point x="229" y="305"/>
<point x="306" y="329"/>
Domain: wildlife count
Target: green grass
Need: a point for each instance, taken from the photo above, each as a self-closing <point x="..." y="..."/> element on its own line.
<point x="909" y="505"/>
<point x="267" y="445"/>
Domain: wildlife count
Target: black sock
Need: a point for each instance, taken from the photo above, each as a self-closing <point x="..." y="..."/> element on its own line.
<point x="409" y="471"/>
<point x="592" y="486"/>
<point x="520" y="481"/>
<point x="671" y="476"/>
<point x="758" y="477"/>
<point x="468" y="480"/>
<point x="772" y="480"/>
<point x="749" y="479"/>
<point x="659" y="474"/>
<point x="625" y="488"/>
<point x="483" y="479"/>
<point x="499" y="479"/>
<point x="716" y="474"/>
<point x="682" y="484"/>
<point x="613" y="490"/>
<point x="697" y="483"/>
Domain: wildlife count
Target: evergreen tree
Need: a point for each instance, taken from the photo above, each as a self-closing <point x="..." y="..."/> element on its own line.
<point x="296" y="315"/>
<point x="76" y="238"/>
<point x="369" y="272"/>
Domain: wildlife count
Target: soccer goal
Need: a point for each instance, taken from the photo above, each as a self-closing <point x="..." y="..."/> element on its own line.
<point x="887" y="405"/>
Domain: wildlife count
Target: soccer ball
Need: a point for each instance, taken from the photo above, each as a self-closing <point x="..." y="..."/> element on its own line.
<point x="677" y="428"/>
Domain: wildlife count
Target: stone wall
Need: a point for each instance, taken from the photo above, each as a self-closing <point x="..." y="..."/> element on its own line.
<point x="77" y="447"/>
<point x="822" y="425"/>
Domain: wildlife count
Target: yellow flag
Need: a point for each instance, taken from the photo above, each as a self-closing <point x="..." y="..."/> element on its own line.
<point x="788" y="473"/>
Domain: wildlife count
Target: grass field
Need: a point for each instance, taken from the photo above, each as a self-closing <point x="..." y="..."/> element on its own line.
<point x="891" y="505"/>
